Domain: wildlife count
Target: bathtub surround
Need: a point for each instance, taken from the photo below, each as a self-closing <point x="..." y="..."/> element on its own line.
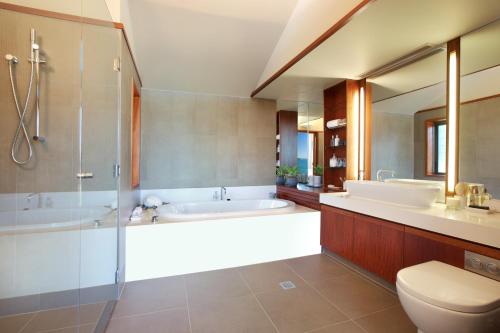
<point x="195" y="140"/>
<point x="170" y="248"/>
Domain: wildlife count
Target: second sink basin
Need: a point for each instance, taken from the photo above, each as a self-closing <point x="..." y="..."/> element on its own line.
<point x="422" y="196"/>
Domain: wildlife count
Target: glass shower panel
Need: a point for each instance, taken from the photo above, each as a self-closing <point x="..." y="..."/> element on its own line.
<point x="39" y="193"/>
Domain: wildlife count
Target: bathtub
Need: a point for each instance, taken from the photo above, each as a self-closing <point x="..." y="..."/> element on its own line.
<point x="219" y="234"/>
<point x="187" y="211"/>
<point x="50" y="218"/>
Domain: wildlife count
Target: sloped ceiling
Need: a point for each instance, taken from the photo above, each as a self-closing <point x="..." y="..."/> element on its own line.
<point x="209" y="46"/>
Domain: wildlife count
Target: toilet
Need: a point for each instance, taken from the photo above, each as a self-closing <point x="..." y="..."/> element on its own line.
<point x="440" y="298"/>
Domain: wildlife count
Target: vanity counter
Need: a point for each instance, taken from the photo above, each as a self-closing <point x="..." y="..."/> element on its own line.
<point x="475" y="227"/>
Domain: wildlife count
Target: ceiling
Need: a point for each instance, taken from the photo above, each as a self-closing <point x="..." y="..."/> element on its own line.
<point x="386" y="30"/>
<point x="209" y="46"/>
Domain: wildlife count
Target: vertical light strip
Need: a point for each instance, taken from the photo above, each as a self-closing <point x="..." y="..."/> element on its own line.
<point x="361" y="175"/>
<point x="452" y="122"/>
<point x="355" y="137"/>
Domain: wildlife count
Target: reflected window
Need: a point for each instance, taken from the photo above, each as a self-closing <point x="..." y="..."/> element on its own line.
<point x="306" y="148"/>
<point x="436" y="147"/>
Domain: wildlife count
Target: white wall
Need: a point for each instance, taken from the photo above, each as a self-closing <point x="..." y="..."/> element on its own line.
<point x="309" y="20"/>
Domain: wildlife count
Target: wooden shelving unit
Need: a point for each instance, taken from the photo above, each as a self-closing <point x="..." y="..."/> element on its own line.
<point x="337" y="100"/>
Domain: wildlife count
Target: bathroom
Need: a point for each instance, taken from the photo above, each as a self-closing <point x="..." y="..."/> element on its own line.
<point x="249" y="166"/>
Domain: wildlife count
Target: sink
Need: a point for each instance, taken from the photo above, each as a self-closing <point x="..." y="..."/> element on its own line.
<point x="441" y="184"/>
<point x="408" y="194"/>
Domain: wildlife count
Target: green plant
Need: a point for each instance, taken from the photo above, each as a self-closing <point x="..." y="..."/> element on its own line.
<point x="281" y="171"/>
<point x="292" y="171"/>
<point x="318" y="170"/>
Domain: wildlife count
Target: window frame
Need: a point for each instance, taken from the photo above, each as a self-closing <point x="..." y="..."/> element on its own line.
<point x="431" y="149"/>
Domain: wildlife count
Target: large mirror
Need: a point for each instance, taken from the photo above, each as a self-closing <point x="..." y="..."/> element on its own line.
<point x="479" y="121"/>
<point x="409" y="120"/>
<point x="307" y="142"/>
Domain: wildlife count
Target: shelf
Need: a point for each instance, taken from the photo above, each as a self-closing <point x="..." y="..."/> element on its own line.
<point x="341" y="146"/>
<point x="336" y="127"/>
<point x="339" y="167"/>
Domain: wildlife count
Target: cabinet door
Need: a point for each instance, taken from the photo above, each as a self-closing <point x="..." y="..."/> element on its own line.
<point x="337" y="230"/>
<point x="378" y="246"/>
<point x="422" y="246"/>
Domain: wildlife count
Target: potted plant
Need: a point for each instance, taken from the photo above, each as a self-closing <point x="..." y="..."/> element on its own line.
<point x="291" y="176"/>
<point x="318" y="176"/>
<point x="280" y="174"/>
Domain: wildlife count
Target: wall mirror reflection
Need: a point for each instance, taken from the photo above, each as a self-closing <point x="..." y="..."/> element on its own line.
<point x="301" y="140"/>
<point x="409" y="120"/>
<point x="479" y="122"/>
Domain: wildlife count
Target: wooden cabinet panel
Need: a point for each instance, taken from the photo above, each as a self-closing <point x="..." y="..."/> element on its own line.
<point x="378" y="246"/>
<point x="337" y="231"/>
<point x="419" y="249"/>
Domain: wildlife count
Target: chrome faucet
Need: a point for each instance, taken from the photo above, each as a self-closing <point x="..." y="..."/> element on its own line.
<point x="223" y="193"/>
<point x="381" y="171"/>
<point x="30" y="197"/>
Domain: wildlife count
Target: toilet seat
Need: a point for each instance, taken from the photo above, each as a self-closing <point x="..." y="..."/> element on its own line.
<point x="449" y="287"/>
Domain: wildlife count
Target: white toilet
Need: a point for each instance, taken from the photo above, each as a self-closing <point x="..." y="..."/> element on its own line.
<point x="441" y="298"/>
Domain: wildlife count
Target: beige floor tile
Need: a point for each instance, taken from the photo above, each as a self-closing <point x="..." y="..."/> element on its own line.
<point x="393" y="320"/>
<point x="230" y="315"/>
<point x="316" y="268"/>
<point x="266" y="277"/>
<point x="299" y="310"/>
<point x="214" y="285"/>
<point x="64" y="317"/>
<point x="151" y="296"/>
<point x="14" y="323"/>
<point x="347" y="327"/>
<point x="355" y="296"/>
<point x="76" y="329"/>
<point x="169" y="321"/>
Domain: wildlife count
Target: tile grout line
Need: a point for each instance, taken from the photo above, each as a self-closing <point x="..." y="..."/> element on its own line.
<point x="187" y="304"/>
<point x="317" y="291"/>
<point x="328" y="325"/>
<point x="148" y="313"/>
<point x="27" y="323"/>
<point x="257" y="300"/>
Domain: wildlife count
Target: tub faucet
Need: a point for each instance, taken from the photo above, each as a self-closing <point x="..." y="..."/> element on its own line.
<point x="223" y="193"/>
<point x="381" y="171"/>
<point x="30" y="197"/>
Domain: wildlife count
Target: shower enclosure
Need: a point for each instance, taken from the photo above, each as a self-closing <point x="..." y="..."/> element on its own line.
<point x="59" y="165"/>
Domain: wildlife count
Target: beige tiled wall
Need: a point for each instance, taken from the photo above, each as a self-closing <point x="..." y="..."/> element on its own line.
<point x="392" y="144"/>
<point x="480" y="144"/>
<point x="191" y="140"/>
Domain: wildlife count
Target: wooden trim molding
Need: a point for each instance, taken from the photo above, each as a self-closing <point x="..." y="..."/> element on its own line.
<point x="73" y="18"/>
<point x="136" y="135"/>
<point x="327" y="34"/>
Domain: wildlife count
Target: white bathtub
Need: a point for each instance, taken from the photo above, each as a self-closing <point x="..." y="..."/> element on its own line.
<point x="222" y="209"/>
<point x="231" y="234"/>
<point x="48" y="218"/>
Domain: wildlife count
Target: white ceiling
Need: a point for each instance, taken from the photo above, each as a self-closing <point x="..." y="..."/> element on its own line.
<point x="209" y="46"/>
<point x="386" y="30"/>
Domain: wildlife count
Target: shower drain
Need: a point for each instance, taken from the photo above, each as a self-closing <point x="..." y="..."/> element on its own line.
<point x="287" y="285"/>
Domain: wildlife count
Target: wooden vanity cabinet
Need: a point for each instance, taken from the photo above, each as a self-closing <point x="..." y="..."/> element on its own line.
<point x="383" y="247"/>
<point x="378" y="246"/>
<point x="337" y="228"/>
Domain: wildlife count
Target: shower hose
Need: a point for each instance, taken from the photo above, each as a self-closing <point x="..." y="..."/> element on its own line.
<point x="21" y="112"/>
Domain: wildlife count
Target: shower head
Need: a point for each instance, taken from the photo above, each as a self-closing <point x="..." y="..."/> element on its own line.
<point x="11" y="58"/>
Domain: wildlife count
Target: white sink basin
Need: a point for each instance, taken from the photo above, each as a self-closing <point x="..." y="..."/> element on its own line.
<point x="422" y="196"/>
<point x="441" y="184"/>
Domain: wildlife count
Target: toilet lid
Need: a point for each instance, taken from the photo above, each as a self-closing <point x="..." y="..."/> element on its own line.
<point x="450" y="287"/>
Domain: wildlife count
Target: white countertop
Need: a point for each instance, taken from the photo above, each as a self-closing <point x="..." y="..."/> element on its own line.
<point x="475" y="227"/>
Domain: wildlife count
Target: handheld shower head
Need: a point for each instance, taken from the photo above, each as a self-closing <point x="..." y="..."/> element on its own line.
<point x="11" y="58"/>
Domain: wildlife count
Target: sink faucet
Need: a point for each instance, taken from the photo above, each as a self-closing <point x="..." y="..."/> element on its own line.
<point x="381" y="171"/>
<point x="223" y="193"/>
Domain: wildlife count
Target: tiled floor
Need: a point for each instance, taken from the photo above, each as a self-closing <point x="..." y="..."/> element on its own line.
<point x="328" y="298"/>
<point x="81" y="319"/>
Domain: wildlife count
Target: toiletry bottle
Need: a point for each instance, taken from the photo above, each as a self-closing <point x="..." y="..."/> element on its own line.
<point x="336" y="142"/>
<point x="333" y="161"/>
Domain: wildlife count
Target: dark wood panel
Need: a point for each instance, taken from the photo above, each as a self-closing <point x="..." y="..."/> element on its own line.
<point x="136" y="135"/>
<point x="366" y="238"/>
<point x="287" y="125"/>
<point x="390" y="250"/>
<point x="304" y="198"/>
<point x="337" y="227"/>
<point x="418" y="250"/>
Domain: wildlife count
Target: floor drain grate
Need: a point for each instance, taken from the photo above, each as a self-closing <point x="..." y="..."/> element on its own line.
<point x="287" y="285"/>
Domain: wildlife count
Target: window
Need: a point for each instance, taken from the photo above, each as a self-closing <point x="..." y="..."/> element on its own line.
<point x="306" y="152"/>
<point x="436" y="147"/>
